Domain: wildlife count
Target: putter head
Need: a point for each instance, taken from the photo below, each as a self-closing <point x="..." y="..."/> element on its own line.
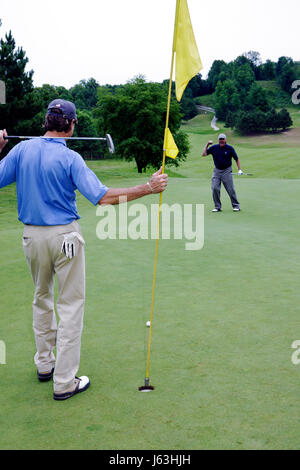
<point x="110" y="144"/>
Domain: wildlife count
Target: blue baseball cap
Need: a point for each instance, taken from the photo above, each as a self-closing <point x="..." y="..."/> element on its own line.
<point x="67" y="108"/>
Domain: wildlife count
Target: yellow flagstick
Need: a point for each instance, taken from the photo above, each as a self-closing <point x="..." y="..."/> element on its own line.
<point x="188" y="64"/>
<point x="147" y="386"/>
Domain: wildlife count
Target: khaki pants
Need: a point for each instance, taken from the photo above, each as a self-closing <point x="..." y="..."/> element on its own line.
<point x="42" y="248"/>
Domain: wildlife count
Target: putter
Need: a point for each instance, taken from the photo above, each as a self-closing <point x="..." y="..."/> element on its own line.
<point x="246" y="174"/>
<point x="107" y="138"/>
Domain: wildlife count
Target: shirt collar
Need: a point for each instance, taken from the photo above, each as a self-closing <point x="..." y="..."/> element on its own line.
<point x="56" y="140"/>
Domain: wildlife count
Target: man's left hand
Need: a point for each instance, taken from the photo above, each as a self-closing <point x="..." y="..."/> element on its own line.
<point x="240" y="172"/>
<point x="3" y="141"/>
<point x="158" y="181"/>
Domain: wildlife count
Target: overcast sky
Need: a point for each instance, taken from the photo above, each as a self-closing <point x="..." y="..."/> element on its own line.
<point x="115" y="40"/>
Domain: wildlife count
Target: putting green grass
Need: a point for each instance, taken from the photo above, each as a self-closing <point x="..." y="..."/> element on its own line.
<point x="225" y="318"/>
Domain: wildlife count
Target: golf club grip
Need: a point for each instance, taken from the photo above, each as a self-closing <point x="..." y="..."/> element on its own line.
<point x="7" y="137"/>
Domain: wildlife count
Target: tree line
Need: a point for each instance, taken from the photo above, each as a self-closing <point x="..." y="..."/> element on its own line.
<point x="134" y="113"/>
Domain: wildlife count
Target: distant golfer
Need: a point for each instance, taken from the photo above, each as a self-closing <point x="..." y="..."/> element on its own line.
<point x="47" y="174"/>
<point x="222" y="154"/>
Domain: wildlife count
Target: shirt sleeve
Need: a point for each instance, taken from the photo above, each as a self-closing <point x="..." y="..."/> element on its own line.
<point x="210" y="150"/>
<point x="86" y="181"/>
<point x="8" y="166"/>
<point x="234" y="154"/>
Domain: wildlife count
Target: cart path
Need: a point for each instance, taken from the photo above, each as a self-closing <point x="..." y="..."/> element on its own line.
<point x="210" y="110"/>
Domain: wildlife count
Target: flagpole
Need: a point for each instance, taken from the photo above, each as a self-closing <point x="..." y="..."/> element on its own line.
<point x="147" y="386"/>
<point x="186" y="48"/>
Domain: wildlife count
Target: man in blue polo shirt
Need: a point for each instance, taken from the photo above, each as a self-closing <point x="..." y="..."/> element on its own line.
<point x="47" y="174"/>
<point x="222" y="154"/>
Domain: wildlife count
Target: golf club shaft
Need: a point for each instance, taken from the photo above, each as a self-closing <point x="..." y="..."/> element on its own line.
<point x="107" y="138"/>
<point x="45" y="137"/>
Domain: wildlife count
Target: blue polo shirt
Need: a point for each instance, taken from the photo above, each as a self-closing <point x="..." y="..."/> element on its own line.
<point x="222" y="155"/>
<point x="47" y="174"/>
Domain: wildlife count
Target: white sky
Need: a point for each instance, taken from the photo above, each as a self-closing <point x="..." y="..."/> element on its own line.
<point x="115" y="40"/>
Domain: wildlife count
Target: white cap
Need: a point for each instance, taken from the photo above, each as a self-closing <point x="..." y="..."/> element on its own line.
<point x="222" y="136"/>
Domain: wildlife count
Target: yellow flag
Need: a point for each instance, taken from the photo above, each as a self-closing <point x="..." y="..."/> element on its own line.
<point x="188" y="62"/>
<point x="169" y="145"/>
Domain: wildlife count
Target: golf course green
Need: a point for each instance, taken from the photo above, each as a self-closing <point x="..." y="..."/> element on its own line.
<point x="225" y="317"/>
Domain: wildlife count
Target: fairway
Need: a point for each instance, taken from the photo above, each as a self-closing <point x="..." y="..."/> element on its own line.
<point x="225" y="318"/>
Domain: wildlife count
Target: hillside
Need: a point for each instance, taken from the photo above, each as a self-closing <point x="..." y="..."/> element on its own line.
<point x="277" y="96"/>
<point x="266" y="156"/>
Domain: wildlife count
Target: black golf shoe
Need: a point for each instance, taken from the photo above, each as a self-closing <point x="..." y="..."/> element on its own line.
<point x="45" y="376"/>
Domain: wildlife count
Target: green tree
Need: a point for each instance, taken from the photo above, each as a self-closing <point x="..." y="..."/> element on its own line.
<point x="272" y="122"/>
<point x="257" y="98"/>
<point x="243" y="78"/>
<point x="230" y="120"/>
<point x="187" y="105"/>
<point x="287" y="77"/>
<point x="226" y="99"/>
<point x="241" y="60"/>
<point x="13" y="62"/>
<point x="284" y="119"/>
<point x="251" y="122"/>
<point x="84" y="94"/>
<point x="217" y="67"/>
<point x="282" y="61"/>
<point x="43" y="95"/>
<point x="12" y="69"/>
<point x="135" y="117"/>
<point x="198" y="86"/>
<point x="254" y="61"/>
<point x="254" y="58"/>
<point x="254" y="121"/>
<point x="266" y="71"/>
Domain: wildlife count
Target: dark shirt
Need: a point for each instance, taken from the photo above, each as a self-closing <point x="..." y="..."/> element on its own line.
<point x="222" y="155"/>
